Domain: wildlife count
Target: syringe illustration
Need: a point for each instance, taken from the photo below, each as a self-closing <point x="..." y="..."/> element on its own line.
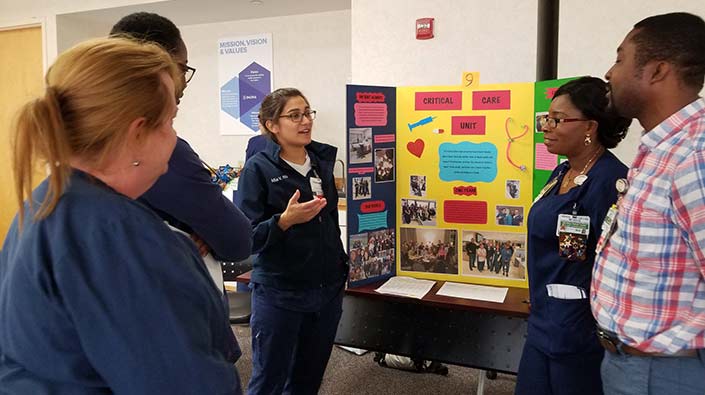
<point x="421" y="122"/>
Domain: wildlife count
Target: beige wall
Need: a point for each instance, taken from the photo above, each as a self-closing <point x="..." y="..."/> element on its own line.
<point x="14" y="10"/>
<point x="496" y="38"/>
<point x="310" y="52"/>
<point x="590" y="33"/>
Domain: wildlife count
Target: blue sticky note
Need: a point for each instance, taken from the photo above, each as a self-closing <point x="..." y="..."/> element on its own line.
<point x="372" y="221"/>
<point x="468" y="162"/>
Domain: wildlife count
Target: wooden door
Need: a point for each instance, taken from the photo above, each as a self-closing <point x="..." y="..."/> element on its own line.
<point x="21" y="77"/>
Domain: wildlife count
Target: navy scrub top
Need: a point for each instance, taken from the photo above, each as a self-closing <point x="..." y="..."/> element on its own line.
<point x="101" y="297"/>
<point x="559" y="326"/>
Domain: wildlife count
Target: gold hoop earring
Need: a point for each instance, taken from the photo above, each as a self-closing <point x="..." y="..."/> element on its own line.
<point x="588" y="140"/>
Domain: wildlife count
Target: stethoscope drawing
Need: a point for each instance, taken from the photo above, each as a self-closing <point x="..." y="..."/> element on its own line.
<point x="511" y="139"/>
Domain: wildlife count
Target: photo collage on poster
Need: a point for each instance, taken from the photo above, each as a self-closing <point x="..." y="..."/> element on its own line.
<point x="371" y="254"/>
<point x="371" y="146"/>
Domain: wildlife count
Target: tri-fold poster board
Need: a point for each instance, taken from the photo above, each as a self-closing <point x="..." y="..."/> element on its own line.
<point x="441" y="179"/>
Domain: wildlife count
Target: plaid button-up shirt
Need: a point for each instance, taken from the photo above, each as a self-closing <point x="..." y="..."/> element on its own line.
<point x="648" y="283"/>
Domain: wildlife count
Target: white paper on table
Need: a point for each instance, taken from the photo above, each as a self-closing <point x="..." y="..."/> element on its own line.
<point x="476" y="292"/>
<point x="406" y="286"/>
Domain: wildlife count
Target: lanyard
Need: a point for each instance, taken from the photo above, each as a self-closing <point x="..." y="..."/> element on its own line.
<point x="548" y="187"/>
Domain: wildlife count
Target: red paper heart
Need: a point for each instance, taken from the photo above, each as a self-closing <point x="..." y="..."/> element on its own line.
<point x="416" y="147"/>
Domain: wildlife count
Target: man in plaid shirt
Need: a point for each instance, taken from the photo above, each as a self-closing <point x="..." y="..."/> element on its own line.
<point x="648" y="287"/>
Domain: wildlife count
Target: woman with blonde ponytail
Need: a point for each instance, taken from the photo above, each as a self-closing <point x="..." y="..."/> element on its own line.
<point x="97" y="294"/>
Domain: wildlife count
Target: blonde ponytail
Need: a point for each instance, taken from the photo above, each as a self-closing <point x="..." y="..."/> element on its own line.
<point x="40" y="133"/>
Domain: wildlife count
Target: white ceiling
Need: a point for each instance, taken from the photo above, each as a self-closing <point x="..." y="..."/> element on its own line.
<point x="192" y="12"/>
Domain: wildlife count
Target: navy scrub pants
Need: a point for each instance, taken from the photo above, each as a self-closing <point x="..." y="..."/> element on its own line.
<point x="541" y="374"/>
<point x="290" y="349"/>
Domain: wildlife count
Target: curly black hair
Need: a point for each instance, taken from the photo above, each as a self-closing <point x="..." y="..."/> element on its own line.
<point x="588" y="94"/>
<point x="150" y="27"/>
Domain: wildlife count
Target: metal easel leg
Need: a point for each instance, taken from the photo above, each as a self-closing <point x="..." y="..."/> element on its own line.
<point x="481" y="382"/>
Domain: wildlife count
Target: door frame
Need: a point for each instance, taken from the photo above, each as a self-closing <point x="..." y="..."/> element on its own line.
<point x="48" y="28"/>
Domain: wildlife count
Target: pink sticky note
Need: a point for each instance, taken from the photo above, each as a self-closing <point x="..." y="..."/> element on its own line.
<point x="473" y="125"/>
<point x="491" y="100"/>
<point x="544" y="159"/>
<point x="439" y="101"/>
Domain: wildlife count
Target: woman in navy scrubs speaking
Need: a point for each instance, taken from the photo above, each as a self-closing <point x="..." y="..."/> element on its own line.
<point x="562" y="354"/>
<point x="288" y="191"/>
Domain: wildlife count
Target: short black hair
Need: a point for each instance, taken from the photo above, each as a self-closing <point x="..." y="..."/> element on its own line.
<point x="678" y="38"/>
<point x="589" y="95"/>
<point x="150" y="27"/>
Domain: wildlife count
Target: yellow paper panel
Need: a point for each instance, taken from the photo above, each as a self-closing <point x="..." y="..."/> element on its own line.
<point x="461" y="170"/>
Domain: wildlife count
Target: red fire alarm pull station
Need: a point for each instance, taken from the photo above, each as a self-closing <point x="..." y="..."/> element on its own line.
<point x="424" y="28"/>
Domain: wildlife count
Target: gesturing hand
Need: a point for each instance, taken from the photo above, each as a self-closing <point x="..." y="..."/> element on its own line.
<point x="298" y="213"/>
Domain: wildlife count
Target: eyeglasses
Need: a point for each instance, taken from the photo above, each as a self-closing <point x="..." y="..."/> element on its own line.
<point x="297" y="117"/>
<point x="188" y="71"/>
<point x="546" y="121"/>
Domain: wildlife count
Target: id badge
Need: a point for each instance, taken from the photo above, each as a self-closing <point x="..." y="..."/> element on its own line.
<point x="573" y="232"/>
<point x="610" y="219"/>
<point x="609" y="225"/>
<point x="316" y="187"/>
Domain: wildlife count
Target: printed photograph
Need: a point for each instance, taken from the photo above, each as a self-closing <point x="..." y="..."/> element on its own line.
<point x="417" y="186"/>
<point x="494" y="255"/>
<point x="384" y="165"/>
<point x="429" y="250"/>
<point x="362" y="188"/>
<point x="509" y="215"/>
<point x="512" y="189"/>
<point x="418" y="212"/>
<point x="371" y="254"/>
<point x="360" y="145"/>
<point x="539" y="116"/>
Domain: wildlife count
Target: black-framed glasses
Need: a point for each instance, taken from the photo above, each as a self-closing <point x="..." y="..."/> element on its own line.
<point x="297" y="117"/>
<point x="546" y="121"/>
<point x="188" y="71"/>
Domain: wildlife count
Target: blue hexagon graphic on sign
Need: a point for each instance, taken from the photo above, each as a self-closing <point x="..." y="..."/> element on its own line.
<point x="255" y="84"/>
<point x="229" y="98"/>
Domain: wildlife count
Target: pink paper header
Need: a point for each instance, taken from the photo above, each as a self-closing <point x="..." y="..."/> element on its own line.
<point x="384" y="138"/>
<point x="439" y="101"/>
<point x="474" y="125"/>
<point x="491" y="100"/>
